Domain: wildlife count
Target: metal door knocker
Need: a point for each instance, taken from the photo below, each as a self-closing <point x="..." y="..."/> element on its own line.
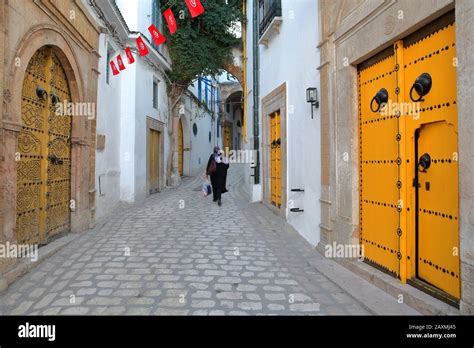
<point x="424" y="163"/>
<point x="41" y="93"/>
<point x="54" y="99"/>
<point x="55" y="159"/>
<point x="381" y="98"/>
<point x="422" y="86"/>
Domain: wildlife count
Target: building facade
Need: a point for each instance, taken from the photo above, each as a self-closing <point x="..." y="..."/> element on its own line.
<point x="198" y="126"/>
<point x="231" y="118"/>
<point x="286" y="131"/>
<point x="49" y="54"/>
<point x="133" y="132"/>
<point x="398" y="178"/>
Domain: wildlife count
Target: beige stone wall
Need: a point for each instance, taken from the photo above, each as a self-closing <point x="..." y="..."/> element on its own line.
<point x="26" y="26"/>
<point x="351" y="32"/>
<point x="465" y="88"/>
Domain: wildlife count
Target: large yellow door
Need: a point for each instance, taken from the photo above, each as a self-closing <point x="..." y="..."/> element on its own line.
<point x="275" y="159"/>
<point x="409" y="190"/>
<point x="437" y="201"/>
<point x="434" y="219"/>
<point x="43" y="152"/>
<point x="379" y="172"/>
<point x="227" y="138"/>
<point x="180" y="148"/>
<point x="153" y="160"/>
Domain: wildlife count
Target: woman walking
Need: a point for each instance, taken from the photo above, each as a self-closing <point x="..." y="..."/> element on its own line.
<point x="217" y="169"/>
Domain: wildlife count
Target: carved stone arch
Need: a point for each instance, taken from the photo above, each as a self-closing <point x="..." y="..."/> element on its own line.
<point x="236" y="71"/>
<point x="33" y="40"/>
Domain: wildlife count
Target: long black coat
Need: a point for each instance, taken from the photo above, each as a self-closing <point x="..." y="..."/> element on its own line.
<point x="219" y="178"/>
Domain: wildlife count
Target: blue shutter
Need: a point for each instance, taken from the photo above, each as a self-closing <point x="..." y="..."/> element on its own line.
<point x="199" y="90"/>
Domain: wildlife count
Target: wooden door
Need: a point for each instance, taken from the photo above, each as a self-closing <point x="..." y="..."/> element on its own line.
<point x="43" y="152"/>
<point x="154" y="161"/>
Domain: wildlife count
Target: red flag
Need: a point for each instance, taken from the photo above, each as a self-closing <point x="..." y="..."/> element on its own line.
<point x="120" y="62"/>
<point x="128" y="52"/>
<point x="156" y="35"/>
<point x="169" y="16"/>
<point x="195" y="7"/>
<point x="142" y="49"/>
<point x="114" y="68"/>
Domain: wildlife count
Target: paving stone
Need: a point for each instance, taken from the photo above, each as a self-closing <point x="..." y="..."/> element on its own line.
<point x="22" y="308"/>
<point x="275" y="307"/>
<point x="250" y="305"/>
<point x="45" y="300"/>
<point x="171" y="311"/>
<point x="276" y="297"/>
<point x="202" y="294"/>
<point x="203" y="303"/>
<point x="104" y="301"/>
<point x="75" y="311"/>
<point x="305" y="307"/>
<point x="138" y="311"/>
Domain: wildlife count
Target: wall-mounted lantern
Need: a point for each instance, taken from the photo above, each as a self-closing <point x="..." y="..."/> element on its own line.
<point x="312" y="97"/>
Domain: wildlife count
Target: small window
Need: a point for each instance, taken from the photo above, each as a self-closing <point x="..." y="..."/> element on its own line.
<point x="155" y="94"/>
<point x="268" y="9"/>
<point x="110" y="53"/>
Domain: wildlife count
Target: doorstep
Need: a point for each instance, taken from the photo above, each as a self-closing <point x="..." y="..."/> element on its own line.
<point x="413" y="297"/>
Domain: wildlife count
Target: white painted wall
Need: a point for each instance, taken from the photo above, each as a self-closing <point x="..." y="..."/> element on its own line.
<point x="200" y="146"/>
<point x="292" y="57"/>
<point x="108" y="113"/>
<point x="143" y="109"/>
<point x="123" y="107"/>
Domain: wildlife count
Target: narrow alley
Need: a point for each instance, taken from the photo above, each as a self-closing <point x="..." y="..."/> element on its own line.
<point x="187" y="256"/>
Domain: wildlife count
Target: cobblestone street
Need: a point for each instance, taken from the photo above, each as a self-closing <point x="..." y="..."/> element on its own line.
<point x="163" y="258"/>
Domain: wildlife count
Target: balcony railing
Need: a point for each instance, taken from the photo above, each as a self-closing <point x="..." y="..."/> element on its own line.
<point x="268" y="10"/>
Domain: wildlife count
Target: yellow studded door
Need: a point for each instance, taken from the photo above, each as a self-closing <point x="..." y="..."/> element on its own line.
<point x="409" y="191"/>
<point x="227" y="138"/>
<point x="380" y="215"/>
<point x="275" y="159"/>
<point x="433" y="225"/>
<point x="437" y="207"/>
<point x="44" y="152"/>
<point x="153" y="160"/>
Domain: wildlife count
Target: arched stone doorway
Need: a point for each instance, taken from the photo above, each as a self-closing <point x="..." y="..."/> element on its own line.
<point x="44" y="151"/>
<point x="81" y="137"/>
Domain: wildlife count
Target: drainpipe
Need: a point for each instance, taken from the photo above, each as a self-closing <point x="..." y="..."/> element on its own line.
<point x="256" y="92"/>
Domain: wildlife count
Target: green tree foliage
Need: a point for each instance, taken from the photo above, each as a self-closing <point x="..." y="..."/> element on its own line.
<point x="202" y="46"/>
